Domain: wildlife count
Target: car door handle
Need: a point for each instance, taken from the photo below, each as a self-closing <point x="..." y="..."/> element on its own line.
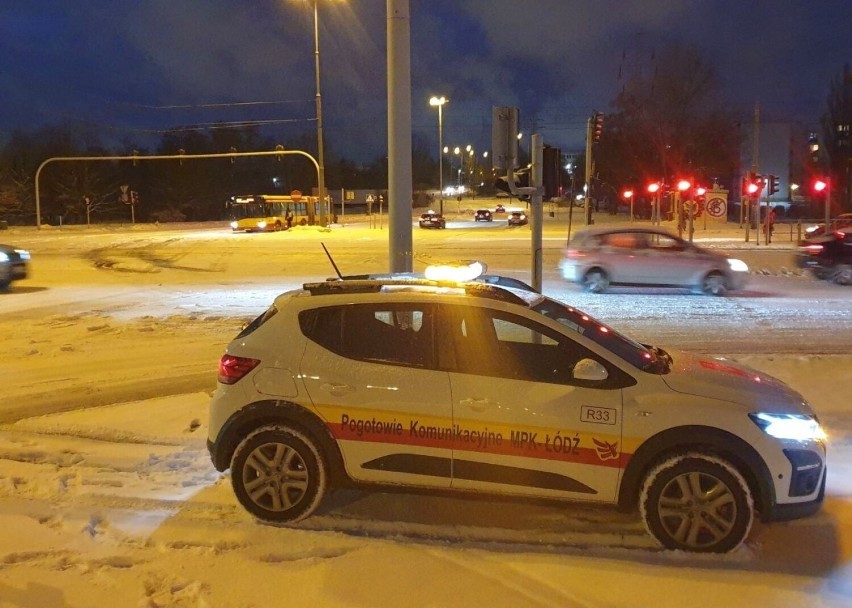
<point x="475" y="404"/>
<point x="336" y="389"/>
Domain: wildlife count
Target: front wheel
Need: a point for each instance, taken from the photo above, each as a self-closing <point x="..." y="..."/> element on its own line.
<point x="843" y="275"/>
<point x="697" y="502"/>
<point x="714" y="284"/>
<point x="596" y="281"/>
<point x="278" y="474"/>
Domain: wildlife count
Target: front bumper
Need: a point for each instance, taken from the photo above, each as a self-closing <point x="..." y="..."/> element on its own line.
<point x="797" y="510"/>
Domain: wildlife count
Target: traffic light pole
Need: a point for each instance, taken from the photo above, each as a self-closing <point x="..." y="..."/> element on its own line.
<point x="537" y="208"/>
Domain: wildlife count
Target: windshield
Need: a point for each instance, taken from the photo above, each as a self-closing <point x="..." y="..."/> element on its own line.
<point x="646" y="358"/>
<point x="249" y="210"/>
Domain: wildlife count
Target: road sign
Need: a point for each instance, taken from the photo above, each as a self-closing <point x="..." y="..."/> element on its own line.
<point x="296" y="195"/>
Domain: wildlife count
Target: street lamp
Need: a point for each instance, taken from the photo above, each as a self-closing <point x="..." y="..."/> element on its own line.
<point x="628" y="195"/>
<point x="439" y="102"/>
<point x="457" y="152"/>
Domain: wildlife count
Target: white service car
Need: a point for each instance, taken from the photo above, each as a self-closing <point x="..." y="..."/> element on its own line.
<point x="481" y="388"/>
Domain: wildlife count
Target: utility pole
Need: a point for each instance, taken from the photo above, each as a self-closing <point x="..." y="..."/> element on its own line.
<point x="588" y="203"/>
<point x="400" y="241"/>
<point x="755" y="163"/>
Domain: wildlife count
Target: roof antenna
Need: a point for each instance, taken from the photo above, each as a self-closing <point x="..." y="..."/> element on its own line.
<point x="331" y="259"/>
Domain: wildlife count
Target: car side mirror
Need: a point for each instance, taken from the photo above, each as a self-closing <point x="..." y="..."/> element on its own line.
<point x="589" y="369"/>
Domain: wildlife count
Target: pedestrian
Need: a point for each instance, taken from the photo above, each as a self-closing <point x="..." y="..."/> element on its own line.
<point x="288" y="217"/>
<point x="769" y="224"/>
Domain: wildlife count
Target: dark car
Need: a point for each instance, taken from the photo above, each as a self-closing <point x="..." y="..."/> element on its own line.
<point x="518" y="218"/>
<point x="841" y="222"/>
<point x="499" y="209"/>
<point x="482" y="215"/>
<point x="431" y="219"/>
<point x="829" y="257"/>
<point x="13" y="264"/>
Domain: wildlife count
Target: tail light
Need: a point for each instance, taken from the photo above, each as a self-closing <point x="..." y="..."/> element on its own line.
<point x="574" y="253"/>
<point x="813" y="249"/>
<point x="232" y="369"/>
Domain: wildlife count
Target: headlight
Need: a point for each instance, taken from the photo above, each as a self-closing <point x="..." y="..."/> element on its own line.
<point x="235" y="225"/>
<point x="23" y="253"/>
<point x="261" y="225"/>
<point x="737" y="265"/>
<point x="4" y="257"/>
<point x="789" y="426"/>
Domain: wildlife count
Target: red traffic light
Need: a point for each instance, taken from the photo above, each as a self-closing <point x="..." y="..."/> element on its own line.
<point x="627" y="193"/>
<point x="653" y="187"/>
<point x="820" y="185"/>
<point x="684" y="185"/>
<point x="597" y="126"/>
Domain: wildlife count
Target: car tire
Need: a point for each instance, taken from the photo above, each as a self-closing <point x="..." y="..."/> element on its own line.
<point x="279" y="474"/>
<point x="697" y="502"/>
<point x="843" y="274"/>
<point x="714" y="284"/>
<point x="277" y="227"/>
<point x="596" y="281"/>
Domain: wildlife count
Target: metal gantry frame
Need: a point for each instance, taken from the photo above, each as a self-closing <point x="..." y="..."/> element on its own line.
<point x="139" y="157"/>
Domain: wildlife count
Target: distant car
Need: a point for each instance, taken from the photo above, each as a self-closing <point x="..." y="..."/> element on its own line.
<point x="13" y="264"/>
<point x="499" y="209"/>
<point x="431" y="219"/>
<point x="828" y="257"/>
<point x="841" y="222"/>
<point x="482" y="215"/>
<point x="518" y="218"/>
<point x="651" y="257"/>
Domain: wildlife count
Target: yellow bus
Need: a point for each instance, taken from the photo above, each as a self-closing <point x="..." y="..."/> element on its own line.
<point x="268" y="212"/>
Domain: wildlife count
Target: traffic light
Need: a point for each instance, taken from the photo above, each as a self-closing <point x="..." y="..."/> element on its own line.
<point x="820" y="185"/>
<point x="552" y="172"/>
<point x="752" y="184"/>
<point x="597" y="126"/>
<point x="744" y="184"/>
<point x="772" y="184"/>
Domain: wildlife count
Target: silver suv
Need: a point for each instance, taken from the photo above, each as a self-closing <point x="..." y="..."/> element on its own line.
<point x="479" y="388"/>
<point x="600" y="257"/>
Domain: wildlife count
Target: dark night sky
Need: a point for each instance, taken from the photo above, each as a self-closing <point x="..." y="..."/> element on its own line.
<point x="138" y="67"/>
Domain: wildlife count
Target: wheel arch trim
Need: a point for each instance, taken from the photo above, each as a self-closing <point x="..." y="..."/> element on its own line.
<point x="697" y="438"/>
<point x="262" y="413"/>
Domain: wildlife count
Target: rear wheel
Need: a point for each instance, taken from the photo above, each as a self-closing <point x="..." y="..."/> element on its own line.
<point x="697" y="502"/>
<point x="714" y="284"/>
<point x="278" y="474"/>
<point x="596" y="281"/>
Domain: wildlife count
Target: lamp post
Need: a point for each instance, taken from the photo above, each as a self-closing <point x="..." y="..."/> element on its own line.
<point x="439" y="102"/>
<point x="457" y="152"/>
<point x="320" y="155"/>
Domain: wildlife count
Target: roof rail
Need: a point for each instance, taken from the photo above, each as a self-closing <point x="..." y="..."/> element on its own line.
<point x="471" y="288"/>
